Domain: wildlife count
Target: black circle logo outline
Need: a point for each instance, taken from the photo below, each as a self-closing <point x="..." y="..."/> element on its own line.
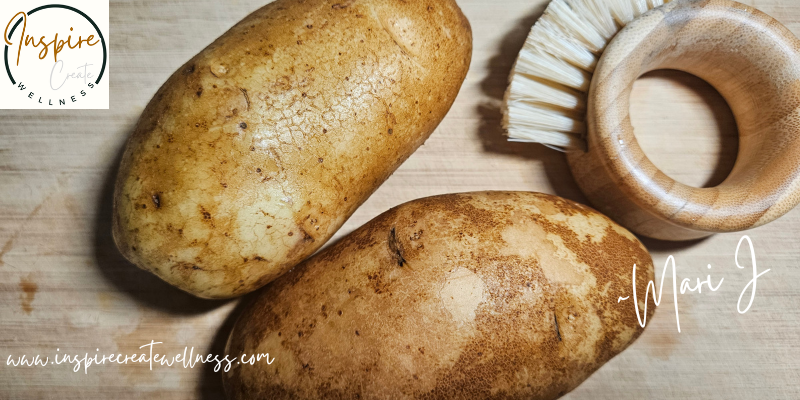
<point x="102" y="39"/>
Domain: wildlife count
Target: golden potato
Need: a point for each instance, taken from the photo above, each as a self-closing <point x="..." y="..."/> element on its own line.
<point x="256" y="151"/>
<point x="467" y="296"/>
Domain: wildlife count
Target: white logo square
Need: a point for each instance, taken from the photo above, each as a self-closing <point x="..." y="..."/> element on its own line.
<point x="55" y="55"/>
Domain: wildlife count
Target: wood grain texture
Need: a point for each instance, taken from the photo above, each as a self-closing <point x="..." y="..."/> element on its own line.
<point x="56" y="175"/>
<point x="754" y="62"/>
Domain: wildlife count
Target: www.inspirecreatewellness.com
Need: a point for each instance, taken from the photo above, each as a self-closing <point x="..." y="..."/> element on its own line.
<point x="187" y="359"/>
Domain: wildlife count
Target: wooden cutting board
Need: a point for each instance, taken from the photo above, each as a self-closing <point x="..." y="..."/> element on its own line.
<point x="64" y="286"/>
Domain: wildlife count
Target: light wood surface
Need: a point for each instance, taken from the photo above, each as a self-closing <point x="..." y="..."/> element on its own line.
<point x="754" y="62"/>
<point x="65" y="286"/>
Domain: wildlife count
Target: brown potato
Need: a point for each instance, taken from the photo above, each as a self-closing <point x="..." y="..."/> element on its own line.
<point x="467" y="296"/>
<point x="257" y="150"/>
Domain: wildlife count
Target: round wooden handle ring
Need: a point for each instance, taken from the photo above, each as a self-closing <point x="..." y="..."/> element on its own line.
<point x="754" y="63"/>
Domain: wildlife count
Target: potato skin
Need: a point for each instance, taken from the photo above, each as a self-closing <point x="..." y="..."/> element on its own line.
<point x="465" y="296"/>
<point x="253" y="154"/>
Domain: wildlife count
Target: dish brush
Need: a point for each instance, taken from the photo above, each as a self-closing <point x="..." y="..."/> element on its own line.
<point x="571" y="89"/>
<point x="549" y="84"/>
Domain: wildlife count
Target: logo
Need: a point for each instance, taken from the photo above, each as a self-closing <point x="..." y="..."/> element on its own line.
<point x="55" y="56"/>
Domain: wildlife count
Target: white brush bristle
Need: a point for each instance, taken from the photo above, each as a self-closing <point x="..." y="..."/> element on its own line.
<point x="548" y="88"/>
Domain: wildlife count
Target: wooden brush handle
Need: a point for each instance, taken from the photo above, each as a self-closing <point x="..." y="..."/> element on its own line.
<point x="753" y="61"/>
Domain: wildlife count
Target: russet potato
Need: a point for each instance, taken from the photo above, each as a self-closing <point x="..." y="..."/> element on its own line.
<point x="466" y="296"/>
<point x="255" y="152"/>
